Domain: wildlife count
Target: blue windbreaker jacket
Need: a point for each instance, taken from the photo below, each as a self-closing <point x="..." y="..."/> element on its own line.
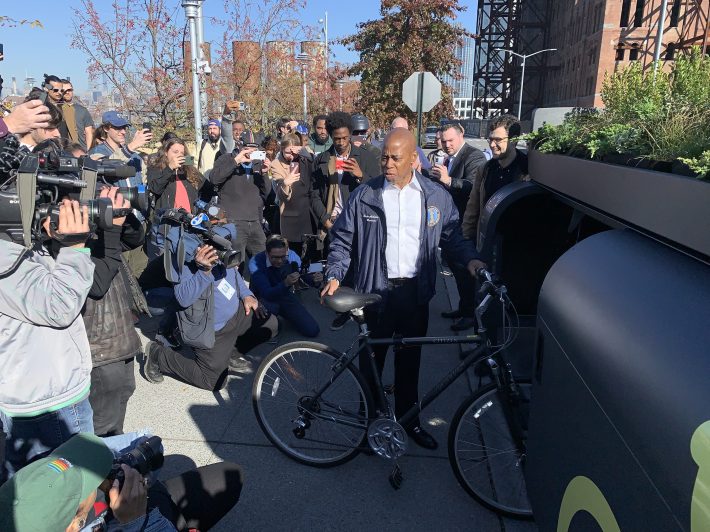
<point x="359" y="238"/>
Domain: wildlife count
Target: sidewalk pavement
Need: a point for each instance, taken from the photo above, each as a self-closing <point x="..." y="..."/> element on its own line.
<point x="200" y="427"/>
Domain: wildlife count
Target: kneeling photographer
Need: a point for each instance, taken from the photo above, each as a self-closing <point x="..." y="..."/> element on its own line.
<point x="217" y="307"/>
<point x="274" y="274"/>
<point x="82" y="486"/>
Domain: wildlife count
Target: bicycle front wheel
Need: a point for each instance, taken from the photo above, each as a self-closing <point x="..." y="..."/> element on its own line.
<point x="484" y="455"/>
<point x="323" y="431"/>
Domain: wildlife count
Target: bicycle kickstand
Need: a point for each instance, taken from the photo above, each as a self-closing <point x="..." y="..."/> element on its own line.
<point x="396" y="477"/>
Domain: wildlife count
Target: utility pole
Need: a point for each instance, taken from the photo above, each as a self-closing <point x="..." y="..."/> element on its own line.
<point x="191" y="8"/>
<point x="202" y="65"/>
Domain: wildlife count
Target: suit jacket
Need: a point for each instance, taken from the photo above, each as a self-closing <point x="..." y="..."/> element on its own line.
<point x="464" y="175"/>
<point x="369" y="165"/>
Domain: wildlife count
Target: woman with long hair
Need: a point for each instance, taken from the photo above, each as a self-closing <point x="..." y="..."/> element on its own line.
<point x="173" y="183"/>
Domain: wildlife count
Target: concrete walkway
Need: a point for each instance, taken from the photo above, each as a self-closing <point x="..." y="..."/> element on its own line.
<point x="200" y="427"/>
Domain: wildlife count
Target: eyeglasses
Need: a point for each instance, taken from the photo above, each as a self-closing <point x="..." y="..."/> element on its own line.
<point x="498" y="141"/>
<point x="56" y="90"/>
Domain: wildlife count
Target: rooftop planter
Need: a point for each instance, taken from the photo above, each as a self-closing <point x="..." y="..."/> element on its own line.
<point x="657" y="122"/>
<point x="672" y="207"/>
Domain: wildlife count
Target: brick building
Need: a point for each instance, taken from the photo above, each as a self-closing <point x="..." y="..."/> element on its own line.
<point x="593" y="37"/>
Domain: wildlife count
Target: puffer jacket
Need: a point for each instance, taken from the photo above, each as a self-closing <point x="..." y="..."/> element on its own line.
<point x="45" y="359"/>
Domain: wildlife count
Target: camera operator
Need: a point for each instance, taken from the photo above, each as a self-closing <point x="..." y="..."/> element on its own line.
<point x="28" y="116"/>
<point x="273" y="274"/>
<point x="110" y="328"/>
<point x="60" y="492"/>
<point x="235" y="312"/>
<point x="35" y="136"/>
<point x="44" y="352"/>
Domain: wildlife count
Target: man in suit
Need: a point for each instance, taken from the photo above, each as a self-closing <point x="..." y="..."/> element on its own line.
<point x="459" y="175"/>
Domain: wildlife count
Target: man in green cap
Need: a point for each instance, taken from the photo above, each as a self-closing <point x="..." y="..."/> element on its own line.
<point x="58" y="492"/>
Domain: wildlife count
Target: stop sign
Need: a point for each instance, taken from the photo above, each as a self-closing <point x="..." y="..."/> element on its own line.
<point x="431" y="91"/>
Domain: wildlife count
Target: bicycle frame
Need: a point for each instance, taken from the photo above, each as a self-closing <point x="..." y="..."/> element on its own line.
<point x="366" y="344"/>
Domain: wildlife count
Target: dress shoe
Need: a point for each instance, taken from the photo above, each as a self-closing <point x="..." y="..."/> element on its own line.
<point x="422" y="438"/>
<point x="150" y="368"/>
<point x="463" y="324"/>
<point x="240" y="365"/>
<point x="451" y="314"/>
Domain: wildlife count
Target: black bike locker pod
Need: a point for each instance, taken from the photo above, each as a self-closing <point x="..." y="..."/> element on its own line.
<point x="523" y="230"/>
<point x="619" y="430"/>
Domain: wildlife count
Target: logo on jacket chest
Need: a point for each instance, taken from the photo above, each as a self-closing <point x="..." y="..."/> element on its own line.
<point x="433" y="216"/>
<point x="372" y="218"/>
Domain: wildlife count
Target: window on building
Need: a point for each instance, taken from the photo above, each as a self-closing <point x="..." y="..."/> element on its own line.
<point x="638" y="17"/>
<point x="634" y="52"/>
<point x="625" y="11"/>
<point x="620" y="51"/>
<point x="670" y="51"/>
<point x="675" y="13"/>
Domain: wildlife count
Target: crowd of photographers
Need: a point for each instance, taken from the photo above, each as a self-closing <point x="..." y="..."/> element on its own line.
<point x="96" y="232"/>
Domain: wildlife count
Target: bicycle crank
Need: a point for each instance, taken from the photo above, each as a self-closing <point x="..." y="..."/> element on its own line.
<point x="387" y="438"/>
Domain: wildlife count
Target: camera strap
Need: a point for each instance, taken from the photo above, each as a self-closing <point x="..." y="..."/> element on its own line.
<point x="26" y="192"/>
<point x="70" y="239"/>
<point x="89" y="176"/>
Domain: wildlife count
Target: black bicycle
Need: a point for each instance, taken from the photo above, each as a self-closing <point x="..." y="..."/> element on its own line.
<point x="313" y="404"/>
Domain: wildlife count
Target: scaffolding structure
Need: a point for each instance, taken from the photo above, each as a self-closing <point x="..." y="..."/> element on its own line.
<point x="518" y="25"/>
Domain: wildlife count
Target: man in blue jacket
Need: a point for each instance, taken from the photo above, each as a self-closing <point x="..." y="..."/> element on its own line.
<point x="386" y="240"/>
<point x="273" y="274"/>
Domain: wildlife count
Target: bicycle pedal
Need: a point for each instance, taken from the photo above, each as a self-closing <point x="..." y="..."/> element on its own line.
<point x="396" y="478"/>
<point x="388" y="389"/>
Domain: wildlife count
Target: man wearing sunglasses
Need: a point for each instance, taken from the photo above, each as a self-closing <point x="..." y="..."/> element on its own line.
<point x="54" y="87"/>
<point x="78" y="121"/>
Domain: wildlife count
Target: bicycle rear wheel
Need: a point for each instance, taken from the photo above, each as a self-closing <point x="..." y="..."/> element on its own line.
<point x="483" y="453"/>
<point x="321" y="432"/>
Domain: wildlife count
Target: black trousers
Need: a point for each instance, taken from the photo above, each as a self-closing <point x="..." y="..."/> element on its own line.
<point x="208" y="368"/>
<point x="199" y="498"/>
<point x="401" y="315"/>
<point x="465" y="284"/>
<point x="250" y="239"/>
<point x="112" y="385"/>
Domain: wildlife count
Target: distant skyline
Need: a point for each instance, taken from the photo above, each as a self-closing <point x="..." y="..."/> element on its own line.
<point x="36" y="51"/>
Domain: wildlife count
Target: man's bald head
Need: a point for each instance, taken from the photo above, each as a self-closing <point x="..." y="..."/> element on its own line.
<point x="398" y="156"/>
<point x="400" y="122"/>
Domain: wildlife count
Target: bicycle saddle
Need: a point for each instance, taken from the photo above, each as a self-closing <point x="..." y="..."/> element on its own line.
<point x="346" y="299"/>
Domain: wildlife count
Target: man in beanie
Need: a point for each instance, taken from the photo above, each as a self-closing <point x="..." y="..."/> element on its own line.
<point x="211" y="146"/>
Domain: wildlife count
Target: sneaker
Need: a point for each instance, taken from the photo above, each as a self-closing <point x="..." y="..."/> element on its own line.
<point x="340" y="321"/>
<point x="150" y="368"/>
<point x="240" y="365"/>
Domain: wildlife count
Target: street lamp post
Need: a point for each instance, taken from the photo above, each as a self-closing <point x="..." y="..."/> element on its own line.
<point x="324" y="21"/>
<point x="659" y="37"/>
<point x="522" y="79"/>
<point x="303" y="59"/>
<point x="191" y="13"/>
<point x="340" y="83"/>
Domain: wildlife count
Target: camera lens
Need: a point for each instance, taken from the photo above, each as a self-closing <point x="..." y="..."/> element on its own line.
<point x="136" y="196"/>
<point x="228" y="257"/>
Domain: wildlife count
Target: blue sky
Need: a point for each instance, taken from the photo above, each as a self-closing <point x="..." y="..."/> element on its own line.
<point x="36" y="51"/>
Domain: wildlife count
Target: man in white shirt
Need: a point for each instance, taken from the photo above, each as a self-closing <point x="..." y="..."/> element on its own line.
<point x="404" y="217"/>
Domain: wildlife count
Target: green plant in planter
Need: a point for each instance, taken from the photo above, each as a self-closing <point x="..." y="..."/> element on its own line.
<point x="662" y="119"/>
<point x="699" y="165"/>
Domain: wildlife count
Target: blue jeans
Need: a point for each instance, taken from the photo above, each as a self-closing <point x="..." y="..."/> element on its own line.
<point x="30" y="438"/>
<point x="291" y="309"/>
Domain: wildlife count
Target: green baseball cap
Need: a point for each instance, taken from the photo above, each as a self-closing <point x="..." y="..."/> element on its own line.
<point x="46" y="494"/>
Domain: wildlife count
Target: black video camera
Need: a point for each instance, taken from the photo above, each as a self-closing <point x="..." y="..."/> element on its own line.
<point x="42" y="181"/>
<point x="199" y="231"/>
<point x="144" y="458"/>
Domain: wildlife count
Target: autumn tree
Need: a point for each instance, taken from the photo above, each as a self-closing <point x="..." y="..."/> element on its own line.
<point x="136" y="47"/>
<point x="410" y="36"/>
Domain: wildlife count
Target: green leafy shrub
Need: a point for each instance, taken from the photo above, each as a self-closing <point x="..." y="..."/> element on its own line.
<point x="664" y="118"/>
